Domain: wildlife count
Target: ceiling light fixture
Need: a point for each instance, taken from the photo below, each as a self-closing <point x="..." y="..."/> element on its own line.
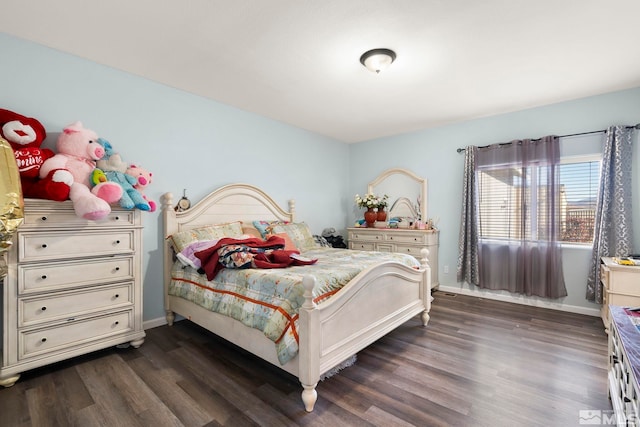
<point x="377" y="60"/>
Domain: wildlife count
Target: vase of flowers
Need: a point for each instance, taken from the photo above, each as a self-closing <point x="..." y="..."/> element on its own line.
<point x="370" y="202"/>
<point x="370" y="217"/>
<point x="382" y="204"/>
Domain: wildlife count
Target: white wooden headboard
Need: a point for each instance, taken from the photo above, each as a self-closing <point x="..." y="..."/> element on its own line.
<point x="232" y="202"/>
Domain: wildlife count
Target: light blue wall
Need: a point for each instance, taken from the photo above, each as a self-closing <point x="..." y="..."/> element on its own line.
<point x="187" y="141"/>
<point x="432" y="154"/>
<point x="194" y="143"/>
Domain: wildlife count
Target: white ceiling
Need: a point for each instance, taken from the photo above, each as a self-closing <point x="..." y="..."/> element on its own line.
<point x="297" y="61"/>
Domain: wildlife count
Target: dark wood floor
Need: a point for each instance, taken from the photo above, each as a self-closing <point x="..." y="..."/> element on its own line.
<point x="478" y="363"/>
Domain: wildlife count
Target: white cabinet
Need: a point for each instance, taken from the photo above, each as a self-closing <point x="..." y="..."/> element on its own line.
<point x="620" y="286"/>
<point x="72" y="286"/>
<point x="408" y="241"/>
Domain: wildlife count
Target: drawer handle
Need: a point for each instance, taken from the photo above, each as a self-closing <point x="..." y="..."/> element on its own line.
<point x="43" y="340"/>
<point x="43" y="277"/>
<point x="117" y="218"/>
<point x="116" y="323"/>
<point x="117" y="242"/>
<point x="44" y="218"/>
<point x="391" y="238"/>
<point x="117" y="268"/>
<point x="44" y="245"/>
<point x="117" y="295"/>
<point x="377" y="237"/>
<point x="44" y="308"/>
<point x="415" y="239"/>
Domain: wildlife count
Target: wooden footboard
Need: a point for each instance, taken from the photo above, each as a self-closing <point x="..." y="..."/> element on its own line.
<point x="377" y="301"/>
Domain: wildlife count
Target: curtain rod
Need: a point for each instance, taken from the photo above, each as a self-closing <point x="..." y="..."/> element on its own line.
<point x="637" y="126"/>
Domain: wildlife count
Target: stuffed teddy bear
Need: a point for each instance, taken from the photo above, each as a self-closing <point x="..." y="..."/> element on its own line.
<point x="77" y="151"/>
<point x="143" y="179"/>
<point x="25" y="135"/>
<point x="114" y="169"/>
<point x="110" y="161"/>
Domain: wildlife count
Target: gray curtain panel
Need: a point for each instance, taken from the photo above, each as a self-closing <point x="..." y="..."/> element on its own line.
<point x="613" y="232"/>
<point x="528" y="261"/>
<point x="467" y="269"/>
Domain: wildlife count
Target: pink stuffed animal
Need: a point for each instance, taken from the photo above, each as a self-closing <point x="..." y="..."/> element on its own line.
<point x="77" y="151"/>
<point x="143" y="178"/>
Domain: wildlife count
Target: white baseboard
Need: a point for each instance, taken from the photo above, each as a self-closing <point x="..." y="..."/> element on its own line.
<point x="160" y="321"/>
<point x="524" y="300"/>
<point x="154" y="323"/>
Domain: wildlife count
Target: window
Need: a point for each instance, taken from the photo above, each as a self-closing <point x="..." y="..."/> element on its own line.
<point x="511" y="218"/>
<point x="512" y="200"/>
<point x="579" y="181"/>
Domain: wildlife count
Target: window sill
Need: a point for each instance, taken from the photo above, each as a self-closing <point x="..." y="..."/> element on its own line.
<point x="577" y="246"/>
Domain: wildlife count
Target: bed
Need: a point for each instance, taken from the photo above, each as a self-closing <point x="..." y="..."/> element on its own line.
<point x="381" y="297"/>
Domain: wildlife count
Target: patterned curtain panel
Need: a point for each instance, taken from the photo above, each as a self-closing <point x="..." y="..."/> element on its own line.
<point x="468" y="240"/>
<point x="613" y="233"/>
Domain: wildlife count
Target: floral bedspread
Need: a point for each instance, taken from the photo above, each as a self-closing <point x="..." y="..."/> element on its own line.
<point x="269" y="299"/>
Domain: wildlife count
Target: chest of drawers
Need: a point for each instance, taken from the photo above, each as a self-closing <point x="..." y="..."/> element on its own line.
<point x="72" y="286"/>
<point x="620" y="286"/>
<point x="406" y="241"/>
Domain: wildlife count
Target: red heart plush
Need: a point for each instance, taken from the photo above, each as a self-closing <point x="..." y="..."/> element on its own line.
<point x="25" y="135"/>
<point x="21" y="131"/>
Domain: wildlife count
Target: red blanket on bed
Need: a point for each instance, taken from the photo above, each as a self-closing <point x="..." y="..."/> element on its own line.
<point x="275" y="257"/>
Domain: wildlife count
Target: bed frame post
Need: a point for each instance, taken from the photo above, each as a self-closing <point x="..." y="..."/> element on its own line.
<point x="309" y="345"/>
<point x="292" y="209"/>
<point x="425" y="286"/>
<point x="167" y="210"/>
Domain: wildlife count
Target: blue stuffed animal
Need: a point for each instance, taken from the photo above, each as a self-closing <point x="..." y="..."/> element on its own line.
<point x="114" y="169"/>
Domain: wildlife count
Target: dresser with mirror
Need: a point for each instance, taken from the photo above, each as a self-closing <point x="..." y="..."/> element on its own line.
<point x="407" y="198"/>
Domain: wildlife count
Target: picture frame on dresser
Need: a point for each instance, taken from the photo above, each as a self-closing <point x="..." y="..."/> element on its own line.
<point x="72" y="286"/>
